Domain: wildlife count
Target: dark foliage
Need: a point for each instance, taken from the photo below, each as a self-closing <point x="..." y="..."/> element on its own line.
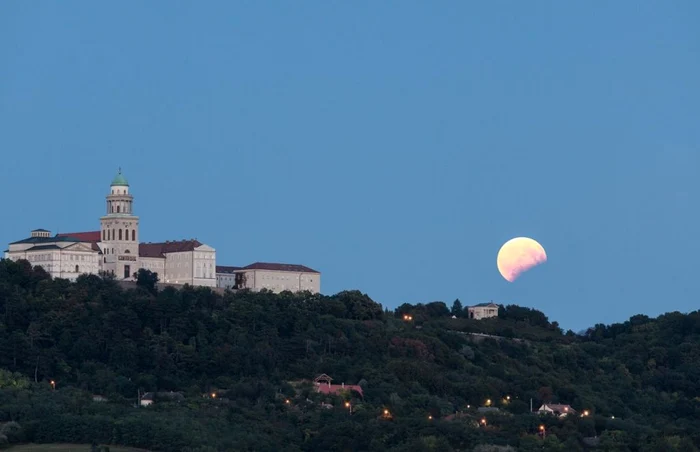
<point x="242" y="364"/>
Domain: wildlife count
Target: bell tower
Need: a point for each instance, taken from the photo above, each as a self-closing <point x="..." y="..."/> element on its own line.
<point x="120" y="231"/>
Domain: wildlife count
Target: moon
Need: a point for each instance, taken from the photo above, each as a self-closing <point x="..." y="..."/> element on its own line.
<point x="519" y="255"/>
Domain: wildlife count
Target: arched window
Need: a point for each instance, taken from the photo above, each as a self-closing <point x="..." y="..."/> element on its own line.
<point x="77" y="269"/>
<point x="133" y="235"/>
<point x="120" y="231"/>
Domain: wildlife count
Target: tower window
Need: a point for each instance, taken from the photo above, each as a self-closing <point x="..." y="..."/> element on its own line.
<point x="133" y="235"/>
<point x="120" y="231"/>
<point x="118" y="209"/>
<point x="103" y="235"/>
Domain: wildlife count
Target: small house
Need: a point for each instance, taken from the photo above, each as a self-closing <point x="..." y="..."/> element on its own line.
<point x="482" y="311"/>
<point x="150" y="397"/>
<point x="556" y="409"/>
<point x="322" y="383"/>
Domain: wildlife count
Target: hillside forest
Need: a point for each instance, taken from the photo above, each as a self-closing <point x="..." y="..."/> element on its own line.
<point x="235" y="372"/>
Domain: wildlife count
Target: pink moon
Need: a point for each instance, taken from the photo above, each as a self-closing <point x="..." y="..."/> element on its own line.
<point x="519" y="255"/>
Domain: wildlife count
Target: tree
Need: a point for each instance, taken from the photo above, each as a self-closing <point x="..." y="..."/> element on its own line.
<point x="437" y="309"/>
<point x="457" y="309"/>
<point x="147" y="279"/>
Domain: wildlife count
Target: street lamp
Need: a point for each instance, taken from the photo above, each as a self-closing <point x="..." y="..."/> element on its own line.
<point x="430" y="417"/>
<point x="348" y="405"/>
<point x="585" y="413"/>
<point x="287" y="401"/>
<point x="483" y="421"/>
<point x="544" y="431"/>
<point x="53" y="385"/>
<point x="488" y="402"/>
<point x="213" y="395"/>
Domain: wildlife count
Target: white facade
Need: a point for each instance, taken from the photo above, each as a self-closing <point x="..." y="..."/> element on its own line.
<point x="556" y="409"/>
<point x="270" y="276"/>
<point x="483" y="311"/>
<point x="115" y="248"/>
<point x="61" y="257"/>
<point x="119" y="232"/>
<point x="184" y="262"/>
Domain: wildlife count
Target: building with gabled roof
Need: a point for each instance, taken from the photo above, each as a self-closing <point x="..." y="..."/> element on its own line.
<point x="322" y="383"/>
<point x="115" y="248"/>
<point x="483" y="311"/>
<point x="275" y="277"/>
<point x="60" y="256"/>
<point x="556" y="409"/>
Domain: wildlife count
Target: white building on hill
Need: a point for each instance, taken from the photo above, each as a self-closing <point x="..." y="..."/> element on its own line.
<point x="270" y="276"/>
<point x="483" y="311"/>
<point x="115" y="248"/>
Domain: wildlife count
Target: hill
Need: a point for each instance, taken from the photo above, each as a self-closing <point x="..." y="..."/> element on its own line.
<point x="243" y="364"/>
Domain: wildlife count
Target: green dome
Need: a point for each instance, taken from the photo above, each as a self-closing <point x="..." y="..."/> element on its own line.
<point x="119" y="179"/>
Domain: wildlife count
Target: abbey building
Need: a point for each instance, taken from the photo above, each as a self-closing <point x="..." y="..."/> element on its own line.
<point x="116" y="249"/>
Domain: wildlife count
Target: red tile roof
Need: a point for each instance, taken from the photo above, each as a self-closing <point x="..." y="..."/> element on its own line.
<point x="91" y="236"/>
<point x="280" y="267"/>
<point x="226" y="269"/>
<point x="163" y="248"/>
<point x="336" y="389"/>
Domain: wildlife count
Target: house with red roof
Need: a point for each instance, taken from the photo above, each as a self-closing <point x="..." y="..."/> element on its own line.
<point x="116" y="248"/>
<point x="323" y="384"/>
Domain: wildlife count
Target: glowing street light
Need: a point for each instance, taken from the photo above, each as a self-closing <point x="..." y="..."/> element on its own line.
<point x="213" y="395"/>
<point x="287" y="401"/>
<point x="585" y="413"/>
<point x="53" y="385"/>
<point x="348" y="405"/>
<point x="430" y="417"/>
<point x="488" y="402"/>
<point x="483" y="421"/>
<point x="544" y="431"/>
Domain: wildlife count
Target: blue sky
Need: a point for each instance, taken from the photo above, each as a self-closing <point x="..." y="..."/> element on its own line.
<point x="394" y="146"/>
